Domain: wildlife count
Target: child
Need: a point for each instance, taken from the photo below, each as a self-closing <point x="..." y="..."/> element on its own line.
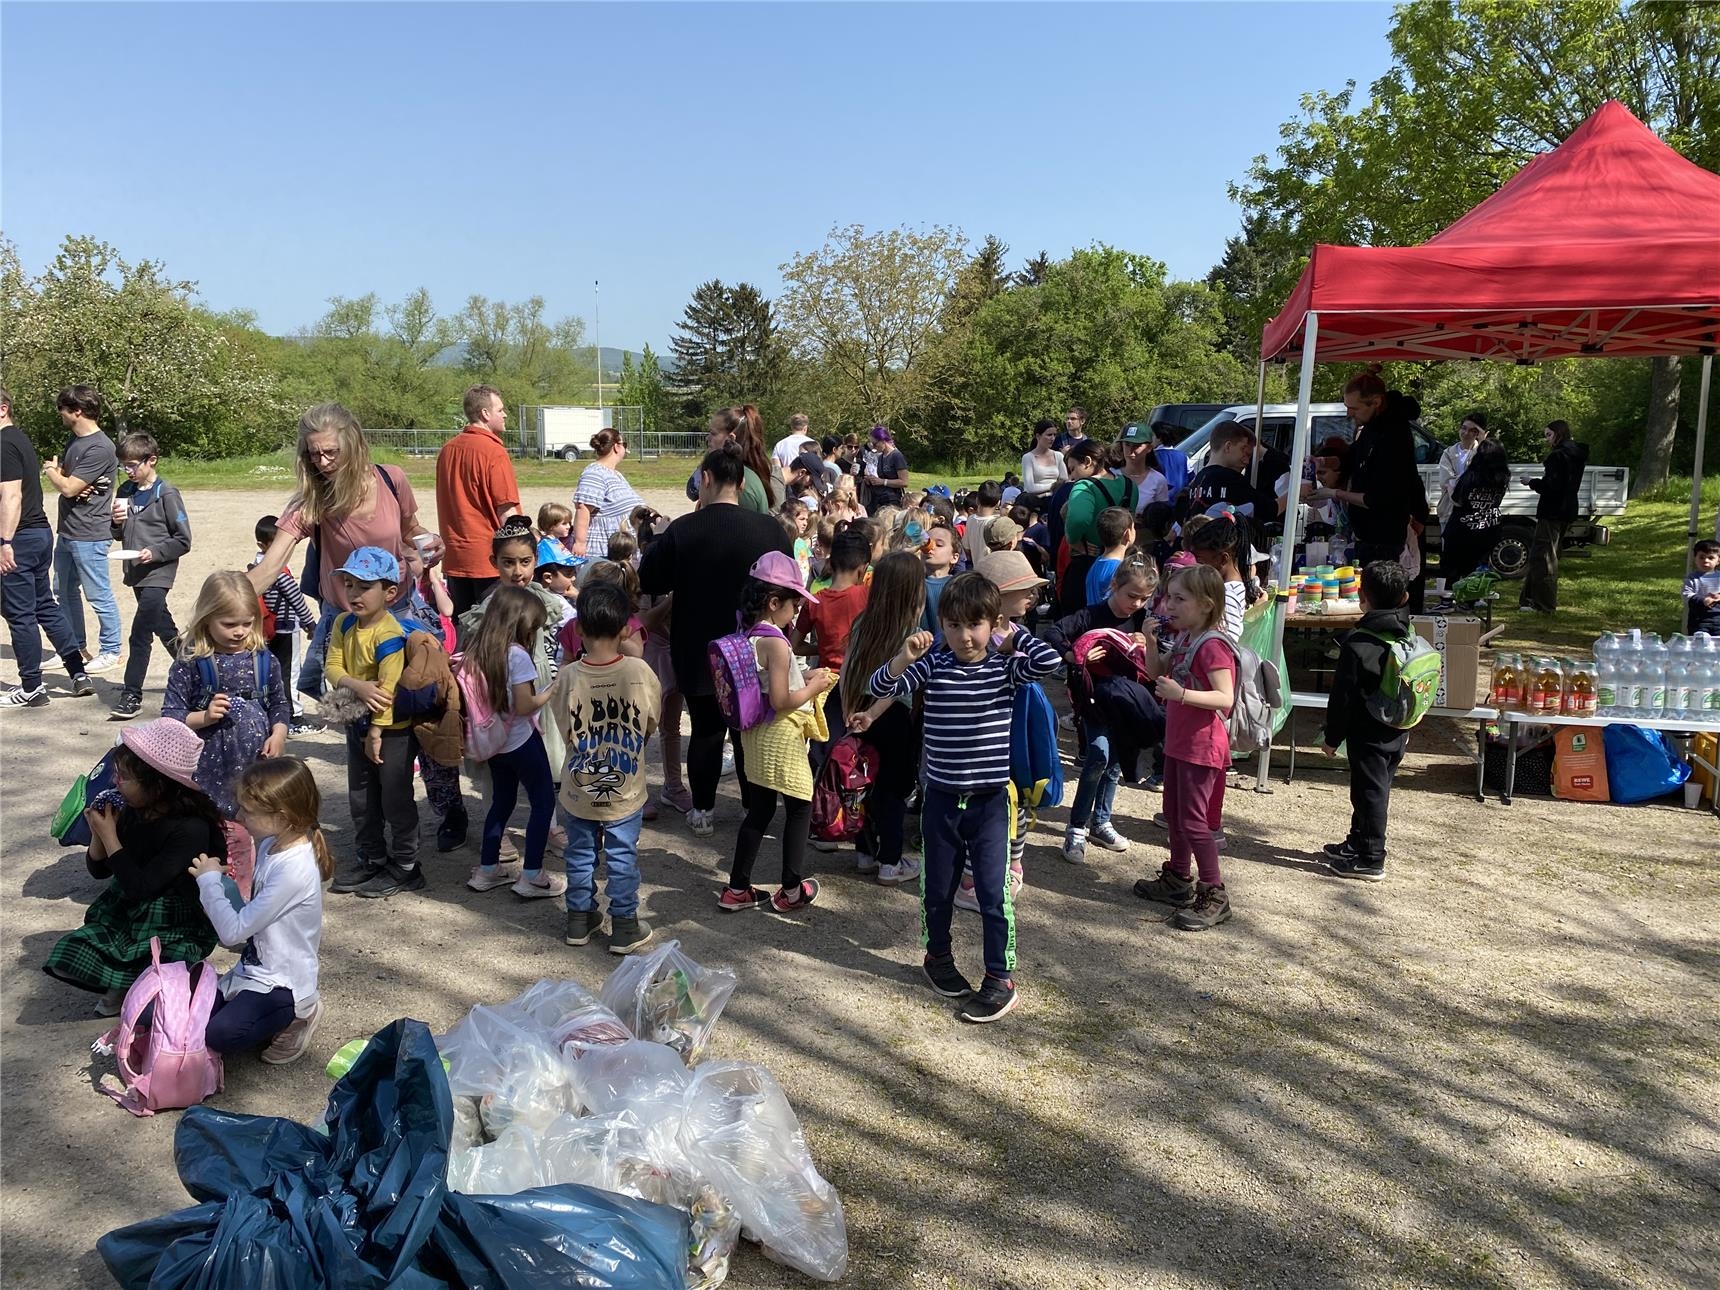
<point x="828" y="617"/>
<point x="499" y="659"/>
<point x="1702" y="589"/>
<point x="1002" y="534"/>
<point x="656" y="613"/>
<point x="774" y="753"/>
<point x="1375" y="749"/>
<point x="428" y="604"/>
<point x="1196" y="684"/>
<point x="606" y="706"/>
<point x="894" y="610"/>
<point x="269" y="999"/>
<point x="287" y="603"/>
<point x="557" y="571"/>
<point x="823" y="541"/>
<point x="1224" y="478"/>
<point x="968" y="684"/>
<point x="149" y="518"/>
<point x="1104" y="720"/>
<point x="213" y="687"/>
<point x="1223" y="543"/>
<point x="1116" y="534"/>
<point x="940" y="561"/>
<point x="143" y="848"/>
<point x="986" y="500"/>
<point x="623" y="549"/>
<point x="555" y="532"/>
<point x="366" y="655"/>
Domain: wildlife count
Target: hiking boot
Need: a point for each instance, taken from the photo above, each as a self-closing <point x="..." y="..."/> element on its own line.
<point x="19" y="697"/>
<point x="940" y="970"/>
<point x="293" y="1042"/>
<point x="966" y="897"/>
<point x="892" y="875"/>
<point x="127" y="706"/>
<point x="865" y="862"/>
<point x="82" y="686"/>
<point x="582" y="925"/>
<point x="732" y="899"/>
<point x="1210" y="908"/>
<point x="451" y="833"/>
<point x="701" y="823"/>
<point x="1169" y="888"/>
<point x="391" y="880"/>
<point x="500" y="875"/>
<point x="352" y="874"/>
<point x="1108" y="837"/>
<point x="628" y="934"/>
<point x="1074" y="848"/>
<point x="791" y="902"/>
<point x="1347" y="863"/>
<point x="102" y="663"/>
<point x="990" y="1002"/>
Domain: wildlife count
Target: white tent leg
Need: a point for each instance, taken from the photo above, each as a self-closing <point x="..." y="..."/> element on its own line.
<point x="1292" y="512"/>
<point x="1259" y="425"/>
<point x="1696" y="467"/>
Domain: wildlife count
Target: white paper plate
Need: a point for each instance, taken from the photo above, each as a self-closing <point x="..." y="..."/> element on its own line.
<point x="124" y="555"/>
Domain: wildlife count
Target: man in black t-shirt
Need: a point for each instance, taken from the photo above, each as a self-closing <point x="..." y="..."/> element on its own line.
<point x="26" y="556"/>
<point x="1224" y="477"/>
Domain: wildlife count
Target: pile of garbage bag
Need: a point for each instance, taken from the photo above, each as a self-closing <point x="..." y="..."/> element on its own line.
<point x="560" y="1087"/>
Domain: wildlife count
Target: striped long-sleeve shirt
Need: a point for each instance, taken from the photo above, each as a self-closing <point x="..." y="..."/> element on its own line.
<point x="288" y="604"/>
<point x="968" y="708"/>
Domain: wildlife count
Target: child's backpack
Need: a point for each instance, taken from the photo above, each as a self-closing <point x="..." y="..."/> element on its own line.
<point x="266" y="620"/>
<point x="1409" y="678"/>
<point x="209" y="685"/>
<point x="1258" y="692"/>
<point x="486" y="727"/>
<point x="164" y="1065"/>
<point x="839" y="796"/>
<point x="734" y="669"/>
<point x="428" y="692"/>
<point x="1035" y="767"/>
<point x="70" y="828"/>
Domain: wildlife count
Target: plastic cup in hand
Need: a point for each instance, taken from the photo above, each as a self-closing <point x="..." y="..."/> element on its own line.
<point x="425" y="542"/>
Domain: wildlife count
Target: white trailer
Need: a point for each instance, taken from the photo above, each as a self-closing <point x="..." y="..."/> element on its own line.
<point x="566" y="432"/>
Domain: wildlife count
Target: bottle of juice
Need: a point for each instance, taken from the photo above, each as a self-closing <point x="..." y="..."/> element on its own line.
<point x="1581" y="690"/>
<point x="1507" y="681"/>
<point x="1547" y="687"/>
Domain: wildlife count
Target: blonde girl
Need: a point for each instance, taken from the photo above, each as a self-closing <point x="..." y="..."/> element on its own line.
<point x="269" y="999"/>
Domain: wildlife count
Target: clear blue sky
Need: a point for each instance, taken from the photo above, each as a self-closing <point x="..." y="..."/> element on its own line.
<point x="279" y="154"/>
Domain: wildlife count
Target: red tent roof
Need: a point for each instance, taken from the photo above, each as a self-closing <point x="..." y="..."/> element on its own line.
<point x="1607" y="245"/>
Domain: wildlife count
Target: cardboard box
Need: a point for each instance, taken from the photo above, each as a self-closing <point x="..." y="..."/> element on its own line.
<point x="1458" y="640"/>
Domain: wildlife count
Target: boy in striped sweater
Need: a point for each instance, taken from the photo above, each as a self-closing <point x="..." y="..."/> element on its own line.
<point x="968" y="682"/>
<point x="292" y="611"/>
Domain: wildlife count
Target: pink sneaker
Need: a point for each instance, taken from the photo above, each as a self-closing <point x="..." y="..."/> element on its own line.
<point x="966" y="897"/>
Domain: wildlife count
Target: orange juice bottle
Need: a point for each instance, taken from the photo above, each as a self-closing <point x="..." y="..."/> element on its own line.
<point x="1548" y="688"/>
<point x="1580" y="697"/>
<point x="1507" y="681"/>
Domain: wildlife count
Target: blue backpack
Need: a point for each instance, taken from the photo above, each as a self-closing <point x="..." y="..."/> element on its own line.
<point x="1035" y="766"/>
<point x="209" y="686"/>
<point x="421" y="701"/>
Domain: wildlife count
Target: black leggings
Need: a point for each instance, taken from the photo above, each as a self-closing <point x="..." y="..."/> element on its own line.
<point x="896" y="736"/>
<point x="795" y="826"/>
<point x="705" y="751"/>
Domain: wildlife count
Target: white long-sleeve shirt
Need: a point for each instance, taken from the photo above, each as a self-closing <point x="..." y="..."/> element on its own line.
<point x="280" y="926"/>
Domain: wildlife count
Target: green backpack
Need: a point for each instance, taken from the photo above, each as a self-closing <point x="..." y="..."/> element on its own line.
<point x="1409" y="679"/>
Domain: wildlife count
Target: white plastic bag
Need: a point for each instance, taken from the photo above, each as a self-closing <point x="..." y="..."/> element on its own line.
<point x="666" y="997"/>
<point x="647" y="1079"/>
<point x="499" y="1168"/>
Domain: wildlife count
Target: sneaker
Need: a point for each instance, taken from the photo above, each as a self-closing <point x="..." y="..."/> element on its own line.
<point x="110" y="1003"/>
<point x="940" y="970"/>
<point x="293" y="1042"/>
<point x="501" y="875"/>
<point x="451" y="833"/>
<point x="19" y="697"/>
<point x="701" y="823"/>
<point x="127" y="706"/>
<point x="1211" y="907"/>
<point x="1348" y="864"/>
<point x="893" y="874"/>
<point x="582" y="925"/>
<point x="82" y="686"/>
<point x="865" y="862"/>
<point x="1017" y="880"/>
<point x="819" y="844"/>
<point x="352" y="874"/>
<point x="1169" y="888"/>
<point x="102" y="663"/>
<point x="732" y="899"/>
<point x="301" y="727"/>
<point x="1108" y="837"/>
<point x="1074" y="848"/>
<point x="966" y="897"/>
<point x="676" y="799"/>
<point x="785" y="903"/>
<point x="991" y="1001"/>
<point x="1067" y="722"/>
<point x="540" y="887"/>
<point x="629" y="934"/>
<point x="1160" y="822"/>
<point x="728" y="760"/>
<point x="1154" y="783"/>
<point x="391" y="880"/>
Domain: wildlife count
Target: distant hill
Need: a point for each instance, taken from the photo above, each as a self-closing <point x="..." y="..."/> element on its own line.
<point x="455" y="354"/>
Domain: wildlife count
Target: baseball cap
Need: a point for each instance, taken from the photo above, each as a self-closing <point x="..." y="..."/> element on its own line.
<point x="1136" y="432"/>
<point x="780" y="570"/>
<point x="811" y="463"/>
<point x="551" y="552"/>
<point x="1008" y="571"/>
<point x="939" y="490"/>
<point x="373" y="564"/>
<point x="1002" y="529"/>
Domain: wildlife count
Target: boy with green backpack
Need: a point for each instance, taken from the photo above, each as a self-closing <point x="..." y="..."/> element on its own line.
<point x="1385" y="683"/>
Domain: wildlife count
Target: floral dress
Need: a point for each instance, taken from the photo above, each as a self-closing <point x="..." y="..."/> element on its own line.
<point x="231" y="744"/>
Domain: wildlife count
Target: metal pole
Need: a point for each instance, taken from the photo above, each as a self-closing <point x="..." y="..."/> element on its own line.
<point x="597" y="335"/>
<point x="1696" y="467"/>
<point x="1259" y="425"/>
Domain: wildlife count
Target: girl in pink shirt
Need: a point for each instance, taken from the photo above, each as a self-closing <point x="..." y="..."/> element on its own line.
<point x="1196" y="683"/>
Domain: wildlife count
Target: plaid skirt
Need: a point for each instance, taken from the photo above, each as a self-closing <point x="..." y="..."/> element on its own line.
<point x="111" y="949"/>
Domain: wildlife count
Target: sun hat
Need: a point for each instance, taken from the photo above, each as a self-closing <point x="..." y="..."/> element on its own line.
<point x="1002" y="529"/>
<point x="167" y="744"/>
<point x="372" y="564"/>
<point x="780" y="570"/>
<point x="1008" y="571"/>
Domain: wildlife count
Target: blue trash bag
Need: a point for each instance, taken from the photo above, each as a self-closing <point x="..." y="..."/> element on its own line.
<point x="286" y="1207"/>
<point x="1641" y="764"/>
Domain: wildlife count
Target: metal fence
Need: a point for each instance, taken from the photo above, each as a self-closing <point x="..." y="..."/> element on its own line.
<point x="413" y="443"/>
<point x="523" y="441"/>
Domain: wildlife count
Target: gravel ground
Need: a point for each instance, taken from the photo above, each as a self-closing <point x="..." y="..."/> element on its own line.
<point x="1498" y="1068"/>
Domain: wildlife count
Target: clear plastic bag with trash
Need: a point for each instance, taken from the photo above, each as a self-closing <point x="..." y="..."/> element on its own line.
<point x="667" y="998"/>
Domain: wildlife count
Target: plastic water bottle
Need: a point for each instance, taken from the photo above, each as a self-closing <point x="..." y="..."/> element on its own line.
<point x="1606" y="675"/>
<point x="1654" y="676"/>
<point x="1708" y="677"/>
<point x="1681" y="673"/>
<point x="1630" y="674"/>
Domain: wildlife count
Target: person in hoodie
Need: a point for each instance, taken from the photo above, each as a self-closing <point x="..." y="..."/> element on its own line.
<point x="1385" y="493"/>
<point x="1375" y="749"/>
<point x="1561" y="477"/>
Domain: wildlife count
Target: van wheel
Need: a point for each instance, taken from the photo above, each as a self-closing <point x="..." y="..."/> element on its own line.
<point x="570" y="454"/>
<point x="1509" y="557"/>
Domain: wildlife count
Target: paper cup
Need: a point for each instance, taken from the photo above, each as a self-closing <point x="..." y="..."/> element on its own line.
<point x="424" y="542"/>
<point x="1693" y="792"/>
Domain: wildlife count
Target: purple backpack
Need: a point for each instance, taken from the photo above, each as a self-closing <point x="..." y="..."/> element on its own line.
<point x="734" y="669"/>
<point x="165" y="1065"/>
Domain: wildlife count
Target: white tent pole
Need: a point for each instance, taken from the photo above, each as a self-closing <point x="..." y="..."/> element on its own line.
<point x="1259" y="425"/>
<point x="1696" y="467"/>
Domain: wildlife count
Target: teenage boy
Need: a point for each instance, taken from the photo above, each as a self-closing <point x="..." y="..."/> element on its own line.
<point x="1225" y="479"/>
<point x="986" y="501"/>
<point x="969" y="685"/>
<point x="1116" y="535"/>
<point x="149" y="518"/>
<point x="1702" y="589"/>
<point x="1375" y="749"/>
<point x="83" y="476"/>
<point x="287" y="603"/>
<point x="366" y="654"/>
<point x="606" y="705"/>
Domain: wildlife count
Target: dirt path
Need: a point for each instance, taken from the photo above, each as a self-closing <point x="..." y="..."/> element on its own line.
<point x="1496" y="1069"/>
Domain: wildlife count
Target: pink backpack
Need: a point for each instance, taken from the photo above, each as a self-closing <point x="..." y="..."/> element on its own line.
<point x="164" y="1065"/>
<point x="486" y="728"/>
<point x="734" y="670"/>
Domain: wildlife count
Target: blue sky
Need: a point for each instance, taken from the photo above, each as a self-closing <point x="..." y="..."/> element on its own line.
<point x="280" y="154"/>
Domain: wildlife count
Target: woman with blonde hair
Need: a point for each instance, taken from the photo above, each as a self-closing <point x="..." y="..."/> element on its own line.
<point x="343" y="501"/>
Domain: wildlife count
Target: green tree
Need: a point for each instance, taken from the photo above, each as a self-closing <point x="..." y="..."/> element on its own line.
<point x="515" y="348"/>
<point x="726" y="351"/>
<point x="642" y="387"/>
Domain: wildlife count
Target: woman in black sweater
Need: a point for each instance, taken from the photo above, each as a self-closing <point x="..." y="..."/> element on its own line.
<point x="1473" y="525"/>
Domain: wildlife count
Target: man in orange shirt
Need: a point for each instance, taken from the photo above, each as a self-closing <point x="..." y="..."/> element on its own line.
<point x="475" y="491"/>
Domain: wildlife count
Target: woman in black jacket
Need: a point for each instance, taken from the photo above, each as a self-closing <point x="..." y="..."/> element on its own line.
<point x="1561" y="478"/>
<point x="1472" y="527"/>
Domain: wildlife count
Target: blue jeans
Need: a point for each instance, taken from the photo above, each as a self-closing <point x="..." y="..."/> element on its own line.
<point x="1097" y="789"/>
<point x="81" y="569"/>
<point x="619" y="842"/>
<point x="316" y="653"/>
<point x="528" y="766"/>
<point x="30" y="608"/>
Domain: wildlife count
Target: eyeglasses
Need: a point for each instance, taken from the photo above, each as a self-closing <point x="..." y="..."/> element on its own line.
<point x="322" y="454"/>
<point x="132" y="467"/>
